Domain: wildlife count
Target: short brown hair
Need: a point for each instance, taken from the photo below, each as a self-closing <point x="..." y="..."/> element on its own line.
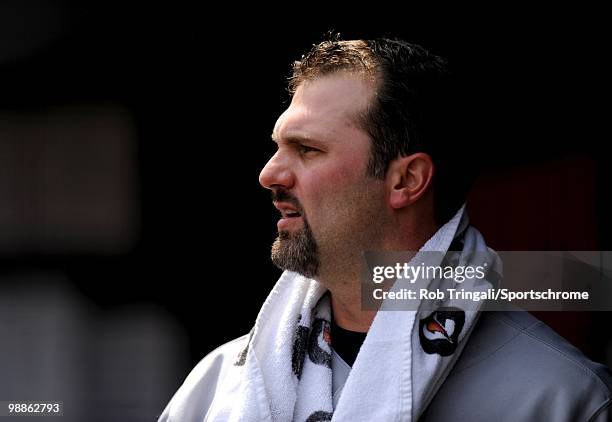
<point x="333" y="56"/>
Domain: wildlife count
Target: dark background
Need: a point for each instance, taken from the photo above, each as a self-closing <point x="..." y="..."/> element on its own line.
<point x="131" y="141"/>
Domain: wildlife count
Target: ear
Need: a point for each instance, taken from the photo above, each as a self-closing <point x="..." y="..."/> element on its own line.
<point x="409" y="178"/>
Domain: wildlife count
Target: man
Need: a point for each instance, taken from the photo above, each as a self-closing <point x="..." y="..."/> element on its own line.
<point x="364" y="163"/>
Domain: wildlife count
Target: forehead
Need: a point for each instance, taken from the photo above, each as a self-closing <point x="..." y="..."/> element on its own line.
<point x="325" y="107"/>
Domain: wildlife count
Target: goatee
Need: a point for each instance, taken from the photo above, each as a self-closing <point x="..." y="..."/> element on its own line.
<point x="297" y="251"/>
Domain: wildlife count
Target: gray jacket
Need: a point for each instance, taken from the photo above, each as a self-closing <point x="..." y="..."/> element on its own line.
<point x="515" y="368"/>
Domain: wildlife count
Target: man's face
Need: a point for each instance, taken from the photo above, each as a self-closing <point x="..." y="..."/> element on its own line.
<point x="330" y="209"/>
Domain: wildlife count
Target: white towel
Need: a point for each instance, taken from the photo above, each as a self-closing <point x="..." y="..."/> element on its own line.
<point x="284" y="374"/>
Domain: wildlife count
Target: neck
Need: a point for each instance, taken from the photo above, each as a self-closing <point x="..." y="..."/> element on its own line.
<point x="344" y="280"/>
<point x="349" y="315"/>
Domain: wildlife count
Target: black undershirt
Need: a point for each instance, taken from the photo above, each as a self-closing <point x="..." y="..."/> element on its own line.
<point x="346" y="343"/>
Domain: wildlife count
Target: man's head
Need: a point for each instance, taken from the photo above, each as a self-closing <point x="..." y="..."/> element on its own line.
<point x="355" y="151"/>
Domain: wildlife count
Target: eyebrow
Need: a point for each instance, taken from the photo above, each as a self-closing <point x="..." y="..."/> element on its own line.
<point x="294" y="139"/>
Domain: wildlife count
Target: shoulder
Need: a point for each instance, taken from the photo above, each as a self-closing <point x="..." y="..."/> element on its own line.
<point x="197" y="392"/>
<point x="524" y="370"/>
<point x="225" y="355"/>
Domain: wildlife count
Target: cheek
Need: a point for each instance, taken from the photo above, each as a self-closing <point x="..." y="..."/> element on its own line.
<point x="333" y="196"/>
<point x="328" y="187"/>
<point x="345" y="171"/>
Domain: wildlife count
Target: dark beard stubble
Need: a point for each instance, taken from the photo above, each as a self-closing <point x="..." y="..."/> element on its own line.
<point x="297" y="251"/>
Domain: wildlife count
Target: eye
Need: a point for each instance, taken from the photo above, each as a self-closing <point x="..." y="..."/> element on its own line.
<point x="305" y="149"/>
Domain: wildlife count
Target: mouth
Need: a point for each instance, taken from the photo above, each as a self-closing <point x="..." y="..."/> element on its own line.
<point x="290" y="215"/>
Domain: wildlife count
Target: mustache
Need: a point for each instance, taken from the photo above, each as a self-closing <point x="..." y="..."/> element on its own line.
<point x="283" y="195"/>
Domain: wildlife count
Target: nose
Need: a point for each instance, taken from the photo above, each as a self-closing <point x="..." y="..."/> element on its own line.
<point x="277" y="173"/>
